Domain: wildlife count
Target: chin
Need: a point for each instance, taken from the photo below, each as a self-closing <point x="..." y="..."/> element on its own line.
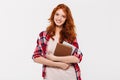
<point x="58" y="25"/>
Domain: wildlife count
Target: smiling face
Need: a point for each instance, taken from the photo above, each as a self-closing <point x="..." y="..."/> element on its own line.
<point x="59" y="17"/>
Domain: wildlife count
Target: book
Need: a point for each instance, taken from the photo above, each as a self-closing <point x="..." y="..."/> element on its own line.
<point x="62" y="50"/>
<point x="73" y="47"/>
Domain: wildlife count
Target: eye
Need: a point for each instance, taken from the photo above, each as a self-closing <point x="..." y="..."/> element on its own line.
<point x="63" y="16"/>
<point x="56" y="14"/>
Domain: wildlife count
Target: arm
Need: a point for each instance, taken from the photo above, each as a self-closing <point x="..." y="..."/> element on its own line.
<point x="50" y="63"/>
<point x="39" y="54"/>
<point x="76" y="57"/>
<point x="44" y="61"/>
<point x="65" y="59"/>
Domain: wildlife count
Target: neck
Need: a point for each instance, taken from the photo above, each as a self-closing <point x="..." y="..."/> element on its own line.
<point x="58" y="29"/>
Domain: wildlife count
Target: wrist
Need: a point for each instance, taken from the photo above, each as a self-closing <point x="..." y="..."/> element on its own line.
<point x="57" y="64"/>
<point x="55" y="58"/>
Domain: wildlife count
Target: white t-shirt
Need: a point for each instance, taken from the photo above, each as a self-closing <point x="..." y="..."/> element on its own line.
<point x="57" y="73"/>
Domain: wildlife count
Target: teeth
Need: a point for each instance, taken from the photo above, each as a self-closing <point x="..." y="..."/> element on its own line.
<point x="58" y="21"/>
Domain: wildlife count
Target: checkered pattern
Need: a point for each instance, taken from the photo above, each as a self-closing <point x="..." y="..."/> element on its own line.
<point x="40" y="50"/>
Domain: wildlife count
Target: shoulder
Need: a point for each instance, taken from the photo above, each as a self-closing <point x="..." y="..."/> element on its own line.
<point x="43" y="34"/>
<point x="75" y="43"/>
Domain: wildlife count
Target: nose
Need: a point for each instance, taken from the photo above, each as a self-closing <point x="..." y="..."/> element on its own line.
<point x="59" y="17"/>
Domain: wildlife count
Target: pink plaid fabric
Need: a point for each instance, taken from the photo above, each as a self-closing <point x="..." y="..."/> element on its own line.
<point x="40" y="50"/>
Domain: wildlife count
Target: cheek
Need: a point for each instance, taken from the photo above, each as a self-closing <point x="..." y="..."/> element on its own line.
<point x="64" y="20"/>
<point x="54" y="18"/>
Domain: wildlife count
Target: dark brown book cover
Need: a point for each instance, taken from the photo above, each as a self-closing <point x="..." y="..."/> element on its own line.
<point x="62" y="50"/>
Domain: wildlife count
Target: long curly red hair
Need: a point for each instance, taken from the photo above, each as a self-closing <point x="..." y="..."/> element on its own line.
<point x="68" y="31"/>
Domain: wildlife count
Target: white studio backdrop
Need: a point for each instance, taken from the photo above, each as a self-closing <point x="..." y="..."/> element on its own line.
<point x="98" y="28"/>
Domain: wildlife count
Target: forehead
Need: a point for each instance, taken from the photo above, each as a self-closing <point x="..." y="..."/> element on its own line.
<point x="60" y="11"/>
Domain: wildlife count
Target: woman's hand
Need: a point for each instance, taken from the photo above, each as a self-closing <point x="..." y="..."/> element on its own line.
<point x="63" y="65"/>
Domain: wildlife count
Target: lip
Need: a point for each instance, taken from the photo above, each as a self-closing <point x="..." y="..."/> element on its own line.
<point x="58" y="21"/>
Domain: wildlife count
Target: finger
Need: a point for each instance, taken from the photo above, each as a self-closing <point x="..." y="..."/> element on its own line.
<point x="68" y="66"/>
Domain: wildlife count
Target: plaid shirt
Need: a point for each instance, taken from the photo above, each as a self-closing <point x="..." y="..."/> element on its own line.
<point x="40" y="50"/>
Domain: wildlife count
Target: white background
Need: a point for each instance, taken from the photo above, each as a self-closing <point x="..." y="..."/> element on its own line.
<point x="98" y="28"/>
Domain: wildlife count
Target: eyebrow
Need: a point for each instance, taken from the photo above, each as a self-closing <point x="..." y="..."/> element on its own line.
<point x="62" y="14"/>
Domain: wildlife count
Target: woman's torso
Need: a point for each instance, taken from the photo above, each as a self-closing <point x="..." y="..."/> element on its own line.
<point x="57" y="73"/>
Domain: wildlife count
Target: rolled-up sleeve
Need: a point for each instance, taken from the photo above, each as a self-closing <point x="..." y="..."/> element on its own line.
<point x="77" y="52"/>
<point x="40" y="47"/>
<point x="38" y="50"/>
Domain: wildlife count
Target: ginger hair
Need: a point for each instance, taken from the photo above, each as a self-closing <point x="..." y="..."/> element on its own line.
<point x="68" y="31"/>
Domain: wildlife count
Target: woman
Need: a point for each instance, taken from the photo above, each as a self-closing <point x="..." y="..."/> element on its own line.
<point x="61" y="29"/>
